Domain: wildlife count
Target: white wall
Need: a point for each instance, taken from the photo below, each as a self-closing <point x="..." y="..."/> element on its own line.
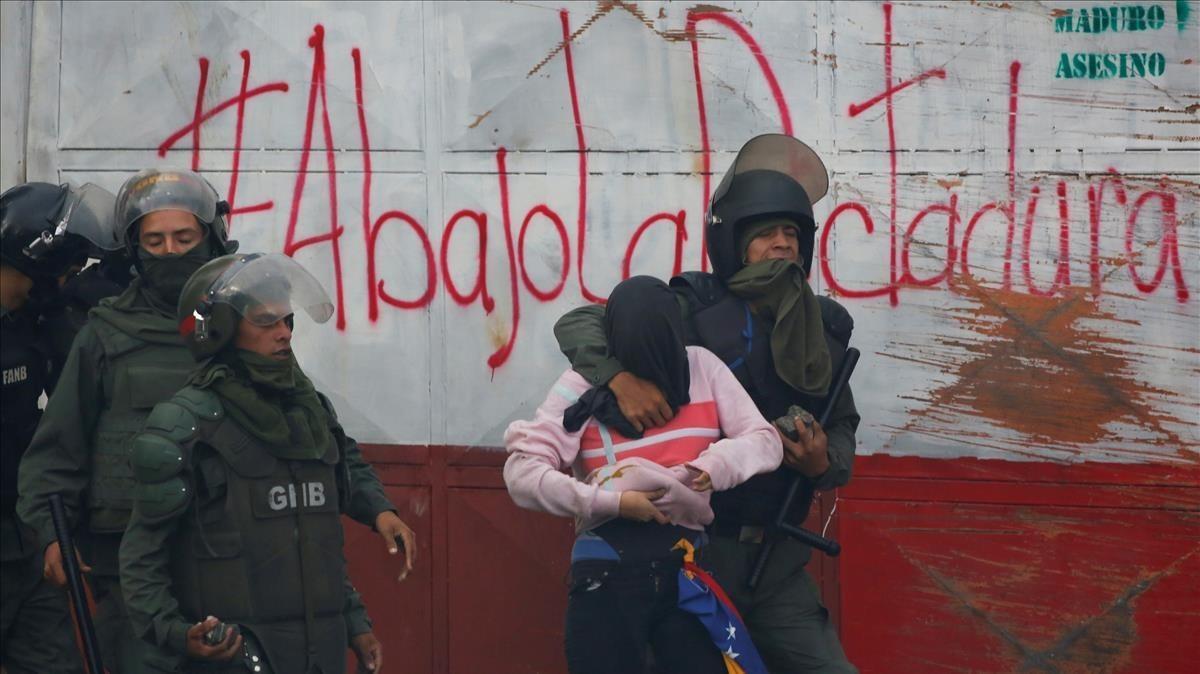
<point x="1103" y="368"/>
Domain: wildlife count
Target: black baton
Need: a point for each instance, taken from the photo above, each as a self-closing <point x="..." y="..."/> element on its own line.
<point x="831" y="548"/>
<point x="83" y="617"/>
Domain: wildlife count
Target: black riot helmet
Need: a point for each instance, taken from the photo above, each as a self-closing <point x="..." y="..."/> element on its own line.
<point x="773" y="176"/>
<point x="46" y="228"/>
<point x="154" y="190"/>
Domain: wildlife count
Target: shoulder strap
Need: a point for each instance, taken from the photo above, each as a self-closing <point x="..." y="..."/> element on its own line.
<point x="838" y="322"/>
<point x="115" y="342"/>
<point x="701" y="289"/>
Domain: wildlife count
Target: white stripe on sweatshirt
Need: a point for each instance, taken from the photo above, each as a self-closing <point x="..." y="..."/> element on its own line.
<point x="539" y="449"/>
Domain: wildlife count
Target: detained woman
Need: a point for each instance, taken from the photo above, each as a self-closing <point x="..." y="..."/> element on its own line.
<point x="641" y="501"/>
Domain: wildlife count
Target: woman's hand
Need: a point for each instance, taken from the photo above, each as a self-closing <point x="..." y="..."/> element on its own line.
<point x="639" y="506"/>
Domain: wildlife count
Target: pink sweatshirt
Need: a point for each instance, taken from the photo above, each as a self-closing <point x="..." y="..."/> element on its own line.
<point x="720" y="431"/>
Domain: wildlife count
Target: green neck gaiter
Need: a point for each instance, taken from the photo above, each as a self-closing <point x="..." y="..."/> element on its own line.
<point x="136" y="312"/>
<point x="778" y="291"/>
<point x="272" y="400"/>
<point x="165" y="275"/>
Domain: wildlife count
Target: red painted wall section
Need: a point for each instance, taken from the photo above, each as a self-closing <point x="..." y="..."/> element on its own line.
<point x="995" y="567"/>
<point x="948" y="566"/>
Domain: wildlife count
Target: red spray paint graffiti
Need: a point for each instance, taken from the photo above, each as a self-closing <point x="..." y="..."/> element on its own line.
<point x="785" y="116"/>
<point x="900" y="274"/>
<point x="200" y="117"/>
<point x="899" y="271"/>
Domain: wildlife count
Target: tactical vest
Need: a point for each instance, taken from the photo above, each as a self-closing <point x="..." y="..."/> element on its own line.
<point x="724" y="324"/>
<point x="25" y="368"/>
<point x="261" y="542"/>
<point x="141" y="374"/>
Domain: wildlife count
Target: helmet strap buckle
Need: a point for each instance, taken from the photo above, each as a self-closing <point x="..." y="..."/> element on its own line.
<point x="200" y="313"/>
<point x="44" y="243"/>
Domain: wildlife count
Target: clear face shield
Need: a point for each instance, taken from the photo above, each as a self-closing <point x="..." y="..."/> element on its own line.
<point x="87" y="213"/>
<point x="782" y="154"/>
<point x="265" y="289"/>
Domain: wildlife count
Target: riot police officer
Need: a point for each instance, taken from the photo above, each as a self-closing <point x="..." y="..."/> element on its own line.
<point x="44" y="230"/>
<point x="759" y="314"/>
<point x="128" y="358"/>
<point x="240" y="483"/>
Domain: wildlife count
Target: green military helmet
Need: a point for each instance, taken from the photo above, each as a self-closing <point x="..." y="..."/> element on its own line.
<point x="262" y="288"/>
<point x="153" y="190"/>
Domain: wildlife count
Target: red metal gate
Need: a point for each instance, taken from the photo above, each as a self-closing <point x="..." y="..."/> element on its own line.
<point x="949" y="565"/>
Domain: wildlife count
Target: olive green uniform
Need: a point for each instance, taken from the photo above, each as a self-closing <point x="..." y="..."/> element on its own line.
<point x="224" y="526"/>
<point x="115" y="373"/>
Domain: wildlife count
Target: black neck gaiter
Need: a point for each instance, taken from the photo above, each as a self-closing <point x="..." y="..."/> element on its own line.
<point x="644" y="326"/>
<point x="165" y="275"/>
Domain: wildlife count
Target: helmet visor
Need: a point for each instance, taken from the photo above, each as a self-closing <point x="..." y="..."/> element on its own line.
<point x="782" y="154"/>
<point x="86" y="217"/>
<point x="266" y="288"/>
<point x="152" y="190"/>
<point x="89" y="214"/>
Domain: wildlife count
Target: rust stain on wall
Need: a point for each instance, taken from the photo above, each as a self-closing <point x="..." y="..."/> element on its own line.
<point x="992" y="5"/>
<point x="709" y="8"/>
<point x="831" y="59"/>
<point x="605" y="7"/>
<point x="603" y="10"/>
<point x="497" y="331"/>
<point x="478" y="119"/>
<point x="1040" y="367"/>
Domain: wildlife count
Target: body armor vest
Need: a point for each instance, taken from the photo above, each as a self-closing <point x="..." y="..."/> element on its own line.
<point x="261" y="546"/>
<point x="140" y="375"/>
<point x="25" y="367"/>
<point x="724" y="324"/>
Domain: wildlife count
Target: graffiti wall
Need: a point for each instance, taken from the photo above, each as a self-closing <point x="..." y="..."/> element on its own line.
<point x="1012" y="219"/>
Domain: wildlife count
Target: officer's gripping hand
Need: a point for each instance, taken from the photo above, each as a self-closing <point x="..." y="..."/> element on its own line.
<point x="639" y="506"/>
<point x="640" y="401"/>
<point x="225" y="651"/>
<point x="810" y="454"/>
<point x="390" y="526"/>
<point x="52" y="565"/>
<point x="369" y="652"/>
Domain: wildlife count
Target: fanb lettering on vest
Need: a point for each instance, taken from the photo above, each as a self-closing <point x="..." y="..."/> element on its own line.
<point x="284" y="497"/>
<point x="16" y="374"/>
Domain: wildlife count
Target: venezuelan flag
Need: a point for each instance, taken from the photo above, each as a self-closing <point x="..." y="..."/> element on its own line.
<point x="700" y="595"/>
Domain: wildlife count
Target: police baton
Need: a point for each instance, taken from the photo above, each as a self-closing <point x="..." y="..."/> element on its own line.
<point x="779" y="526"/>
<point x="83" y="618"/>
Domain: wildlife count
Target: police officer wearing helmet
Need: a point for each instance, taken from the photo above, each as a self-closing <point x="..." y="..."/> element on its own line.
<point x="241" y="479"/>
<point x="759" y="314"/>
<point x="128" y="358"/>
<point x="44" y="230"/>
